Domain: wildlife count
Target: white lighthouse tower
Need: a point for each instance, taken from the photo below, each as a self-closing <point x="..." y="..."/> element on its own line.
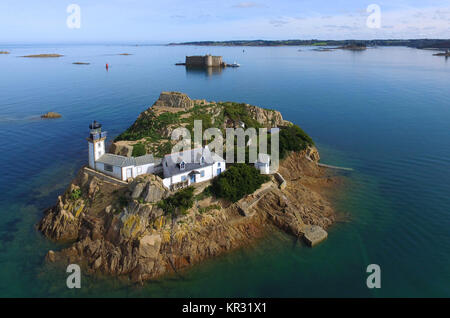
<point x="96" y="142"/>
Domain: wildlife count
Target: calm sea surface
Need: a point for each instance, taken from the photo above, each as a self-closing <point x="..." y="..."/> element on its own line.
<point x="384" y="112"/>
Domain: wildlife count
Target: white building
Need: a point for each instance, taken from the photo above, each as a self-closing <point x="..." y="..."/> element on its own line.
<point x="263" y="163"/>
<point x="184" y="168"/>
<point x="119" y="167"/>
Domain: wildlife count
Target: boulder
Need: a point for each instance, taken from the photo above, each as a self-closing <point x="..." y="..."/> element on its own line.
<point x="121" y="148"/>
<point x="149" y="246"/>
<point x="138" y="189"/>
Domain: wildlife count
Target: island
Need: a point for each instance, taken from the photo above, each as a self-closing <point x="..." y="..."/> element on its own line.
<point x="51" y="115"/>
<point x="416" y="43"/>
<point x="43" y="55"/>
<point x="4" y="52"/>
<point x="137" y="212"/>
<point x="81" y="63"/>
<point x="446" y="53"/>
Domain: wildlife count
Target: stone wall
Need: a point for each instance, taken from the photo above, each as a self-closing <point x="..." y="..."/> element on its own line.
<point x="204" y="61"/>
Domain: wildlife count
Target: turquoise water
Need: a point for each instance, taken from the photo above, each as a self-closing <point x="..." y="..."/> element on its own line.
<point x="384" y="112"/>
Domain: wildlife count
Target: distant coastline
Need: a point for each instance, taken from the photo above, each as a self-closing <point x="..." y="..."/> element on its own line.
<point x="416" y="43"/>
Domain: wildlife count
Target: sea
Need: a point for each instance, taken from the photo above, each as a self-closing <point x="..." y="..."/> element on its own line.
<point x="384" y="112"/>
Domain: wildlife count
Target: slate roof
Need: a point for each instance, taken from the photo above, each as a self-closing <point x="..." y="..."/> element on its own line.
<point x="191" y="158"/>
<point x="122" y="161"/>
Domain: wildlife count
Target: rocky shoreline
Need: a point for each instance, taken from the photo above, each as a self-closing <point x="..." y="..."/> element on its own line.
<point x="118" y="229"/>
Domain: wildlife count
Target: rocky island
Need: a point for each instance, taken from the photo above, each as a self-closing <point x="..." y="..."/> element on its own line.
<point x="51" y="115"/>
<point x="43" y="55"/>
<point x="143" y="230"/>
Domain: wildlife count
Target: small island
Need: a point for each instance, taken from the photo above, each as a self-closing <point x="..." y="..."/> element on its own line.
<point x="81" y="63"/>
<point x="446" y="53"/>
<point x="136" y="211"/>
<point x="43" y="55"/>
<point x="4" y="52"/>
<point x="51" y="115"/>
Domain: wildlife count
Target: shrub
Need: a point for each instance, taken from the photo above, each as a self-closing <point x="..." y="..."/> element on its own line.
<point x="239" y="180"/>
<point x="75" y="194"/>
<point x="138" y="150"/>
<point x="293" y="138"/>
<point x="178" y="203"/>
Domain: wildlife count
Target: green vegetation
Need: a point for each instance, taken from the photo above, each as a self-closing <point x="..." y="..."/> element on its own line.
<point x="178" y="203"/>
<point x="149" y="125"/>
<point x="319" y="44"/>
<point x="163" y="149"/>
<point x="238" y="112"/>
<point x="293" y="138"/>
<point x="209" y="208"/>
<point x="238" y="181"/>
<point x="138" y="150"/>
<point x="75" y="194"/>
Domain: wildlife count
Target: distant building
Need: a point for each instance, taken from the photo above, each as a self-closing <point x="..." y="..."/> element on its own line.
<point x="192" y="166"/>
<point x="119" y="167"/>
<point x="204" y="61"/>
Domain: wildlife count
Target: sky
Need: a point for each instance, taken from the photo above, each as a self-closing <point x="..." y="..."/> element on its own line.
<point x="164" y="21"/>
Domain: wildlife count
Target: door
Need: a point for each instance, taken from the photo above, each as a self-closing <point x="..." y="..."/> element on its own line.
<point x="219" y="171"/>
<point x="129" y="173"/>
<point x="193" y="178"/>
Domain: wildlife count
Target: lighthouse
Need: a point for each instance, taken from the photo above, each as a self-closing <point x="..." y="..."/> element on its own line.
<point x="96" y="143"/>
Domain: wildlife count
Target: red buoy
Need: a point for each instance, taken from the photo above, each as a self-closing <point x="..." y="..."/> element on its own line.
<point x="107" y="66"/>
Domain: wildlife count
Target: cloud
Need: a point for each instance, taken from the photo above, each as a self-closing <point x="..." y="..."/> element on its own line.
<point x="278" y="22"/>
<point x="245" y="5"/>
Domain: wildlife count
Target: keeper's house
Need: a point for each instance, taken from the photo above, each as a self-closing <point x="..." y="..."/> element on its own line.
<point x="119" y="167"/>
<point x="184" y="168"/>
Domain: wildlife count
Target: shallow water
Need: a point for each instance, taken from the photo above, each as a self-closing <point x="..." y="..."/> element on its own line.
<point x="384" y="112"/>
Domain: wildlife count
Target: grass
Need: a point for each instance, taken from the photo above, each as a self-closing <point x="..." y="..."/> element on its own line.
<point x="139" y="150"/>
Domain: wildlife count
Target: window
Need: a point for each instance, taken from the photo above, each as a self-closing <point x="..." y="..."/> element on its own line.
<point x="183" y="178"/>
<point x="108" y="168"/>
<point x="202" y="160"/>
<point x="182" y="165"/>
<point x="202" y="173"/>
<point x="218" y="164"/>
<point x="219" y="171"/>
<point x="139" y="170"/>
